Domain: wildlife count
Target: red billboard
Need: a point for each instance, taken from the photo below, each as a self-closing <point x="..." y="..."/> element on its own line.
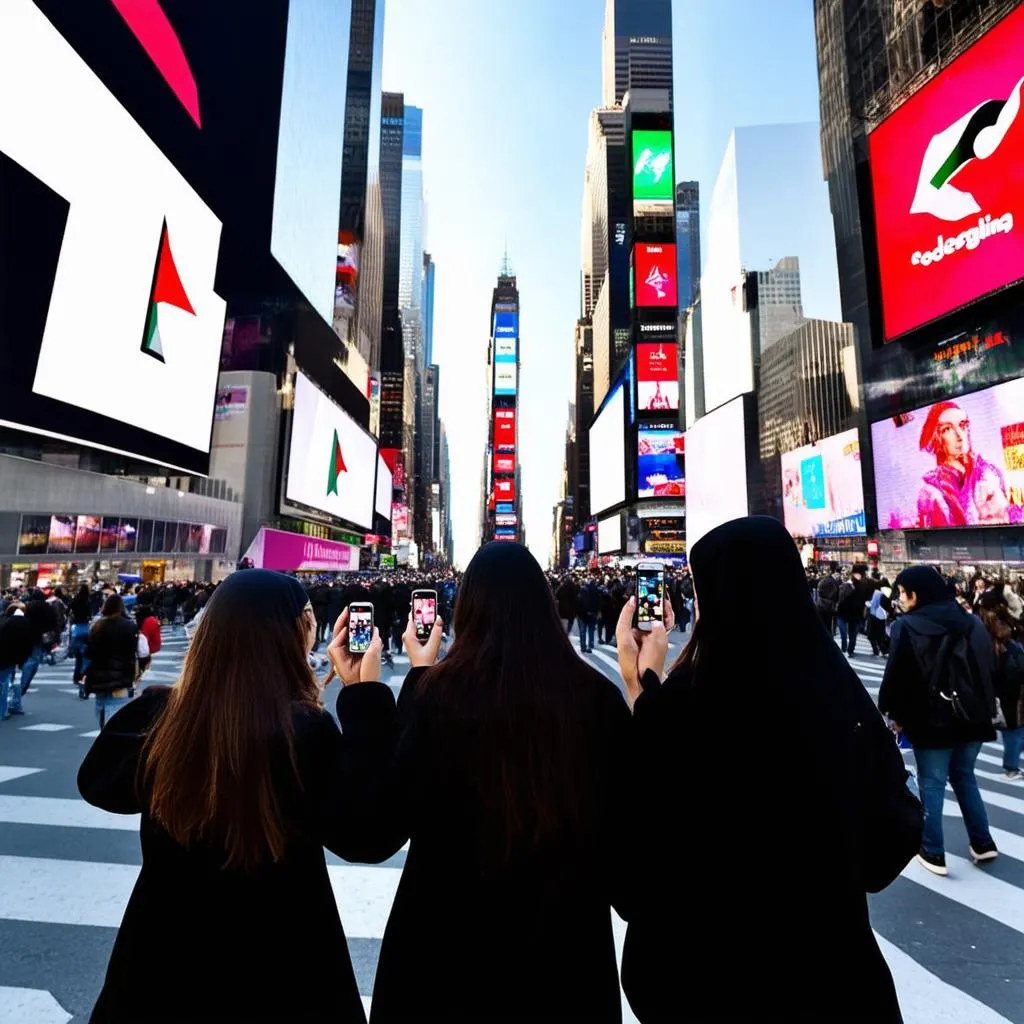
<point x="947" y="173"/>
<point x="504" y="464"/>
<point x="657" y="377"/>
<point x="504" y="490"/>
<point x="504" y="430"/>
<point x="656" y="281"/>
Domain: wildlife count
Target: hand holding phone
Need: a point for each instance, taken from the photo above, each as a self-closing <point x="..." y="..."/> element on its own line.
<point x="360" y="627"/>
<point x="424" y="613"/>
<point x="650" y="595"/>
<point x="355" y="647"/>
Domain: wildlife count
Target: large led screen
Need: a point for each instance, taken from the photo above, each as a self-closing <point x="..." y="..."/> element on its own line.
<point x="655" y="274"/>
<point x="657" y="377"/>
<point x="653" y="179"/>
<point x="504" y="349"/>
<point x="504" y="430"/>
<point x="660" y="462"/>
<point x="382" y="502"/>
<point x="506" y="324"/>
<point x="947" y="172"/>
<point x="955" y="463"/>
<point x="504" y="490"/>
<point x="609" y="535"/>
<point x="716" y="470"/>
<point x="822" y="491"/>
<point x="504" y="464"/>
<point x="504" y="378"/>
<point x="608" y="454"/>
<point x="118" y="256"/>
<point x="332" y="461"/>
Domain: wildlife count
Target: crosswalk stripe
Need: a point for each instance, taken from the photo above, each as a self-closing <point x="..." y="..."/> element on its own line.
<point x="18" y="1005"/>
<point x="8" y="773"/>
<point x="61" y="811"/>
<point x="44" y="727"/>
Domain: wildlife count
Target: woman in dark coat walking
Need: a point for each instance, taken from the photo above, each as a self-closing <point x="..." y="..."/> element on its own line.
<point x="241" y="778"/>
<point x="791" y="853"/>
<point x="510" y="777"/>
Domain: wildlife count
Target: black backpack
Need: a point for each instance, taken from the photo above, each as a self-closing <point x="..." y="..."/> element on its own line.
<point x="828" y="594"/>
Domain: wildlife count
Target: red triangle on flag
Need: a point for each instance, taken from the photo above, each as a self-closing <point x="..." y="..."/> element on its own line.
<point x="167" y="286"/>
<point x="339" y="462"/>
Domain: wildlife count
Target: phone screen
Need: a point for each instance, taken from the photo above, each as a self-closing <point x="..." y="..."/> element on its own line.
<point x="424" y="613"/>
<point x="360" y="628"/>
<point x="650" y="593"/>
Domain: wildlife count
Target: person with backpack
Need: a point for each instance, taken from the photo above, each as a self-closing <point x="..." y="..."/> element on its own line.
<point x="1008" y="682"/>
<point x="938" y="691"/>
<point x="826" y="599"/>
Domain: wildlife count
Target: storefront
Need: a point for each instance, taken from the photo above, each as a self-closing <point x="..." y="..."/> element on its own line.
<point x="295" y="552"/>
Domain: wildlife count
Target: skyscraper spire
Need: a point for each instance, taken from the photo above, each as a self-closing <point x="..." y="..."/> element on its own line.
<point x="506" y="264"/>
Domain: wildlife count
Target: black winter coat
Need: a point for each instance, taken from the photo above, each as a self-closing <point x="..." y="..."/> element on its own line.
<point x="111" y="653"/>
<point x="260" y="948"/>
<point x="17" y="639"/>
<point x="529" y="942"/>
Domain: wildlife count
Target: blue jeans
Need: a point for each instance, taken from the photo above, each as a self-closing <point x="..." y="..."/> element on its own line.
<point x="31" y="666"/>
<point x="955" y="765"/>
<point x="79" y="642"/>
<point x="10" y="691"/>
<point x="106" y="706"/>
<point x="843" y="633"/>
<point x="1013" y="747"/>
<point x="587" y="627"/>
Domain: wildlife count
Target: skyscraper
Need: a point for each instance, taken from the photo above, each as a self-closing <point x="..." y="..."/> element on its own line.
<point x="410" y="277"/>
<point x="428" y="308"/>
<point x="688" y="240"/>
<point x="637" y="48"/>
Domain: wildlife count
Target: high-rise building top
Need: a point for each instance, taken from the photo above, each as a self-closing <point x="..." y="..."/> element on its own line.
<point x="428" y="308"/>
<point x="392" y="135"/>
<point x="779" y="303"/>
<point x="410" y="280"/>
<point x="637" y="47"/>
<point x="688" y="240"/>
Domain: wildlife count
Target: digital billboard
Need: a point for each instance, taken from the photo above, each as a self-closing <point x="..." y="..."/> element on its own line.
<point x="608" y="454"/>
<point x="62" y="535"/>
<point x="947" y="174"/>
<point x="653" y="178"/>
<point x="504" y="490"/>
<point x="505" y="508"/>
<point x="382" y="501"/>
<point x="959" y="462"/>
<point x="716" y="469"/>
<point x="657" y="377"/>
<point x="116" y="284"/>
<point x="609" y="535"/>
<point x="504" y="349"/>
<point x="504" y="519"/>
<point x="822" y="491"/>
<point x="332" y="461"/>
<point x="655" y="274"/>
<point x="505" y="378"/>
<point x="399" y="522"/>
<point x="504" y="430"/>
<point x="504" y="464"/>
<point x="660" y="462"/>
<point x="506" y="324"/>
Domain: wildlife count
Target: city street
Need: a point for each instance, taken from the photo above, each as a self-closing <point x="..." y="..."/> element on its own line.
<point x="955" y="945"/>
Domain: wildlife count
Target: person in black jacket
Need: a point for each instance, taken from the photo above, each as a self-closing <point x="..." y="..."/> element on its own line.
<point x="510" y="774"/>
<point x="853" y="596"/>
<point x="946" y="743"/>
<point x="807" y="952"/>
<point x="241" y="778"/>
<point x="43" y="620"/>
<point x="17" y="640"/>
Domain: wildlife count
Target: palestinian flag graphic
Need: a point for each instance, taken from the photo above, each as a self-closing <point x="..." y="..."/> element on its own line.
<point x="975" y="136"/>
<point x="166" y="288"/>
<point x="337" y="466"/>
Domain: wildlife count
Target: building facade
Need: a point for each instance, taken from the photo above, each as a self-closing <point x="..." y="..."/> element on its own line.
<point x="636" y="48"/>
<point x="688" y="240"/>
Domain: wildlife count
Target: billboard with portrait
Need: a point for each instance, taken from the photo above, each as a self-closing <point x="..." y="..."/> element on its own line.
<point x="504" y="430"/>
<point x="608" y="454"/>
<point x="653" y="177"/>
<point x="655" y="274"/>
<point x="332" y="461"/>
<point x="657" y="377"/>
<point x="822" y="491"/>
<point x="505" y="378"/>
<point x="959" y="462"/>
<point x="660" y="462"/>
<point x="506" y="324"/>
<point x="947" y="174"/>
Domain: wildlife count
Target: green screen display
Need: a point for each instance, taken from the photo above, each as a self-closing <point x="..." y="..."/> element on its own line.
<point x="652" y="165"/>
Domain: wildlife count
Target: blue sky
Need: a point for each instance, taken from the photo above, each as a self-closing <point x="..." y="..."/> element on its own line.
<point x="506" y="90"/>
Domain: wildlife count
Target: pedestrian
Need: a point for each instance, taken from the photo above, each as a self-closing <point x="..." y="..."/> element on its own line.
<point x="81" y="616"/>
<point x="827" y="600"/>
<point x="112" y="656"/>
<point x="851" y="610"/>
<point x="849" y="827"/>
<point x="149" y="627"/>
<point x="938" y="690"/>
<point x="1008" y="683"/>
<point x="242" y="778"/>
<point x="512" y="766"/>
<point x="588" y="603"/>
<point x="43" y="620"/>
<point x="566" y="598"/>
<point x="17" y="640"/>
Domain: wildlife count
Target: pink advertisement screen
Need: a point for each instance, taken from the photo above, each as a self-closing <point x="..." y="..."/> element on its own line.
<point x="954" y="463"/>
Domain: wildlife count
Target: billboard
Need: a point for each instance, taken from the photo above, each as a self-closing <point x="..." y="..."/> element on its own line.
<point x="504" y="490"/>
<point x="608" y="454"/>
<point x="653" y="177"/>
<point x="506" y="324"/>
<point x="655" y="274"/>
<point x="504" y="430"/>
<point x="716" y="465"/>
<point x="657" y="377"/>
<point x="660" y="462"/>
<point x="382" y="499"/>
<point x="505" y="508"/>
<point x="332" y="461"/>
<point x="822" y="491"/>
<point x="505" y="519"/>
<point x="399" y="522"/>
<point x="955" y="463"/>
<point x="947" y="174"/>
<point x="504" y="464"/>
<point x="504" y="350"/>
<point x="609" y="535"/>
<point x="115" y="282"/>
<point x="505" y="378"/>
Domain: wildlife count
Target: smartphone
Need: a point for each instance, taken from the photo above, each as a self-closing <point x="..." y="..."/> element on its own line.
<point x="650" y="594"/>
<point x="424" y="613"/>
<point x="360" y="627"/>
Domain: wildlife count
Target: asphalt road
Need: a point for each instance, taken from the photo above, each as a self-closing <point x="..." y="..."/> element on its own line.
<point x="956" y="945"/>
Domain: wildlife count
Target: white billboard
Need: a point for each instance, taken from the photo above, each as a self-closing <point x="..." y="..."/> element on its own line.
<point x="609" y="535"/>
<point x="332" y="461"/>
<point x="504" y="349"/>
<point x="382" y="503"/>
<point x="505" y="378"/>
<point x="608" y="454"/>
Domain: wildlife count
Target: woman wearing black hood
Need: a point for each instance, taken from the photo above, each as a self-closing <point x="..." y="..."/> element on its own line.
<point x="780" y="929"/>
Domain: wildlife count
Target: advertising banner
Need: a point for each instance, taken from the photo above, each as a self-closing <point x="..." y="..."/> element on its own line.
<point x="660" y="459"/>
<point x="382" y="499"/>
<point x="346" y="275"/>
<point x="822" y="490"/>
<point x="399" y="522"/>
<point x="665" y="547"/>
<point x="504" y="350"/>
<point x="655" y="274"/>
<point x="505" y="508"/>
<point x="956" y="463"/>
<point x="653" y="178"/>
<point x="505" y="520"/>
<point x="657" y="377"/>
<point x="505" y="378"/>
<point x="288" y="552"/>
<point x="609" y="535"/>
<point x="230" y="402"/>
<point x="504" y="430"/>
<point x="947" y="172"/>
<point x="504" y="490"/>
<point x="506" y="325"/>
<point x="608" y="454"/>
<point x="504" y="464"/>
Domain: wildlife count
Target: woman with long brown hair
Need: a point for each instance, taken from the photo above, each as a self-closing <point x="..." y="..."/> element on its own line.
<point x="241" y="778"/>
<point x="511" y="776"/>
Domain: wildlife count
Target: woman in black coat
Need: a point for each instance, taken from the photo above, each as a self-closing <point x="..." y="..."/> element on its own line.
<point x="241" y="778"/>
<point x="750" y="901"/>
<point x="510" y="779"/>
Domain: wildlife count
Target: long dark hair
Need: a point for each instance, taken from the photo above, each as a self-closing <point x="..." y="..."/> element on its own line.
<point x="512" y="697"/>
<point x="207" y="765"/>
